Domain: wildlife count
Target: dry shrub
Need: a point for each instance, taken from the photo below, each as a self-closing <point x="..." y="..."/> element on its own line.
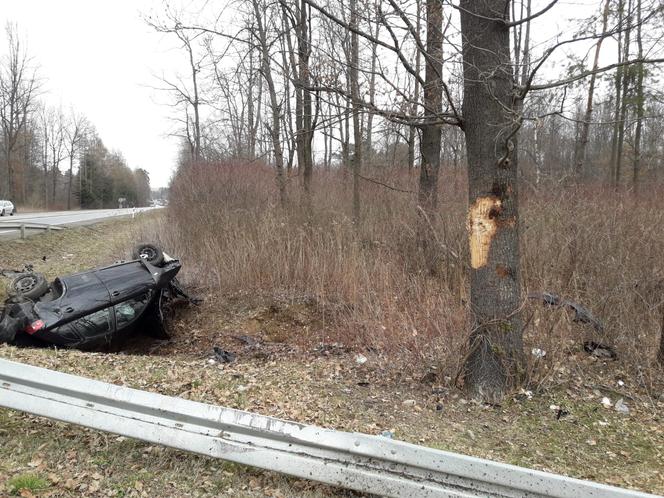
<point x="598" y="248"/>
<point x="601" y="249"/>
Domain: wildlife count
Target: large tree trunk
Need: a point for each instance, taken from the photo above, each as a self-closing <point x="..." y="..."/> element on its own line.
<point x="430" y="139"/>
<point x="495" y="360"/>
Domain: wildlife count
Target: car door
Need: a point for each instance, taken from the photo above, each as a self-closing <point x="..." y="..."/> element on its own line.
<point x="93" y="330"/>
<point x="78" y="295"/>
<point x="125" y="281"/>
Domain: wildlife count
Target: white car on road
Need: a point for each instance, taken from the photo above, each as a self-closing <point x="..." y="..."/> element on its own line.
<point x="7" y="208"/>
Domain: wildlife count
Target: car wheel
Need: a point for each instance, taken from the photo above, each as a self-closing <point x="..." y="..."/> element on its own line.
<point x="30" y="285"/>
<point x="2" y="213"/>
<point x="150" y="252"/>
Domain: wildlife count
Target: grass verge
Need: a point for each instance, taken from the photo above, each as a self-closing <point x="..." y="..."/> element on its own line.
<point x="564" y="428"/>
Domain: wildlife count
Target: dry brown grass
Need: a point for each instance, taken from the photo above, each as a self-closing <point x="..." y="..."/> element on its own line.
<point x="325" y="387"/>
<point x="598" y="248"/>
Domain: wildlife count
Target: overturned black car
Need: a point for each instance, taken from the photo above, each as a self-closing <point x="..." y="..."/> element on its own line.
<point x="94" y="309"/>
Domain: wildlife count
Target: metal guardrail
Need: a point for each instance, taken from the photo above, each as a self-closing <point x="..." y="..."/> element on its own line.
<point x="371" y="464"/>
<point x="4" y="225"/>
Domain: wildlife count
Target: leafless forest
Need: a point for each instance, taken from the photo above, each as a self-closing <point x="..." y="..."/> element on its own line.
<point x="419" y="167"/>
<point x="53" y="158"/>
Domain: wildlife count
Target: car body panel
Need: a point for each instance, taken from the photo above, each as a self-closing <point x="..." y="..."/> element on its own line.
<point x="92" y="309"/>
<point x="126" y="280"/>
<point x="82" y="293"/>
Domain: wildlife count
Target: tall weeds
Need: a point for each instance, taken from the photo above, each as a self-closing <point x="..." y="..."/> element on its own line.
<point x="601" y="249"/>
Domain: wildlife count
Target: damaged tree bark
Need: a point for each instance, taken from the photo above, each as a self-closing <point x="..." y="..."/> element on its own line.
<point x="490" y="122"/>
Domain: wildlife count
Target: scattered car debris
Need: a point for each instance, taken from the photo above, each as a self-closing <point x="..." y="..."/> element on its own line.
<point x="15" y="273"/>
<point x="430" y="377"/>
<point x="561" y="413"/>
<point x="223" y="356"/>
<point x="360" y="359"/>
<point x="621" y="407"/>
<point x="330" y="349"/>
<point x="245" y="339"/>
<point x="599" y="350"/>
<point x="538" y="353"/>
<point x="581" y="314"/>
<point x="95" y="308"/>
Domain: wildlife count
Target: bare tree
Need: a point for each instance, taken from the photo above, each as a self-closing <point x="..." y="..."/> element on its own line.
<point x="372" y="84"/>
<point x="416" y="91"/>
<point x="74" y="133"/>
<point x="636" y="168"/>
<point x="430" y="140"/>
<point x="355" y="101"/>
<point x="625" y="83"/>
<point x="185" y="94"/>
<point x="18" y="88"/>
<point x="275" y="127"/>
<point x="305" y="128"/>
<point x="56" y="148"/>
<point x="581" y="150"/>
<point x="44" y="117"/>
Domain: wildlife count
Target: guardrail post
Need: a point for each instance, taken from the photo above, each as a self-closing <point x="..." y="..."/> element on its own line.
<point x="23" y="230"/>
<point x="48" y="229"/>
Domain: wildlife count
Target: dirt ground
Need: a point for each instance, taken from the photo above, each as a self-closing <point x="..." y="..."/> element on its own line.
<point x="563" y="427"/>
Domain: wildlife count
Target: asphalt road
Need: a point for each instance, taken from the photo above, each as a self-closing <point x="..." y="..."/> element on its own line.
<point x="60" y="218"/>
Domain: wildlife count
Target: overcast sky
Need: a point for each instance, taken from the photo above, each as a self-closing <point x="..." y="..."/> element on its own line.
<point x="102" y="59"/>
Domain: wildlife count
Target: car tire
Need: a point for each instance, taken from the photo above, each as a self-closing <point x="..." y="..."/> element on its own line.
<point x="150" y="252"/>
<point x="29" y="285"/>
<point x="2" y="213"/>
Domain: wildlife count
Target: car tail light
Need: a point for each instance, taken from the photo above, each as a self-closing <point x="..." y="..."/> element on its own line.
<point x="34" y="327"/>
